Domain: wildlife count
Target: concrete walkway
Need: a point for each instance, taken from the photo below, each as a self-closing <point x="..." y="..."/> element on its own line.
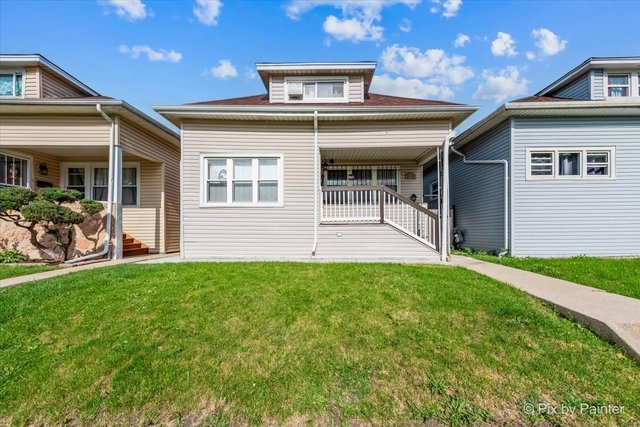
<point x="66" y="269"/>
<point x="611" y="316"/>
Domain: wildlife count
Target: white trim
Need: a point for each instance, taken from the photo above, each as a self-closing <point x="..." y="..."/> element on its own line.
<point x="15" y="71"/>
<point x="583" y="163"/>
<point x="30" y="174"/>
<point x="88" y="176"/>
<point x="229" y="158"/>
<point x="631" y="88"/>
<point x="316" y="79"/>
<point x="312" y="66"/>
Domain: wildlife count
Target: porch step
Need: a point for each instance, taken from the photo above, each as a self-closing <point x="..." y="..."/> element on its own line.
<point x="133" y="247"/>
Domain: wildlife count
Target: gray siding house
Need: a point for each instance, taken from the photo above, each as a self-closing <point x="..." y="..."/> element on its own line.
<point x="318" y="168"/>
<point x="572" y="158"/>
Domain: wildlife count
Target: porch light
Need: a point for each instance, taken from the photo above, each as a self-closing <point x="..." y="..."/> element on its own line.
<point x="44" y="170"/>
<point x="413" y="198"/>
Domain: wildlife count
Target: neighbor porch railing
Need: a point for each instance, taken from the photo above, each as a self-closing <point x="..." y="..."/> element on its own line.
<point x="379" y="204"/>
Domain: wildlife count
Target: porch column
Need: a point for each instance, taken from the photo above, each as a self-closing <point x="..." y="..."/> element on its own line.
<point x="444" y="212"/>
<point x="117" y="194"/>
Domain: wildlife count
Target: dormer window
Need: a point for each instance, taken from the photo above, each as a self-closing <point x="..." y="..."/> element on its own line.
<point x="618" y="85"/>
<point x="316" y="89"/>
<point x="11" y="85"/>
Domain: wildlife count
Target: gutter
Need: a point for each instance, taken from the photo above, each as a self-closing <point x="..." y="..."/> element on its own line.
<point x="110" y="189"/>
<point x="505" y="163"/>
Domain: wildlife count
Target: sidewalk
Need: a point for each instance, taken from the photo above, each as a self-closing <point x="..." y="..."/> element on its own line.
<point x="613" y="317"/>
<point x="72" y="269"/>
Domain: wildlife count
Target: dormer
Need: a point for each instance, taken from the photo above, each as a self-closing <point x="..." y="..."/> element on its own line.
<point x="316" y="82"/>
<point x="610" y="79"/>
<point x="34" y="76"/>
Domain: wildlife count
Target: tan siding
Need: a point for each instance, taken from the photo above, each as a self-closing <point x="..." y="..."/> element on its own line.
<point x="372" y="241"/>
<point x="53" y="166"/>
<point x="382" y="134"/>
<point x="149" y="146"/>
<point x="55" y="87"/>
<point x="53" y="130"/>
<point x="277" y="89"/>
<point x="254" y="232"/>
<point x="356" y="92"/>
<point x="145" y="222"/>
<point x="32" y="82"/>
<point x="411" y="186"/>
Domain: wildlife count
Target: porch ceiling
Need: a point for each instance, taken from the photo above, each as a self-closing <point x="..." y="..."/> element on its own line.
<point x="71" y="152"/>
<point x="410" y="154"/>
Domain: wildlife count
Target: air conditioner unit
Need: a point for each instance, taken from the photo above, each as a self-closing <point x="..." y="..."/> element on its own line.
<point x="295" y="90"/>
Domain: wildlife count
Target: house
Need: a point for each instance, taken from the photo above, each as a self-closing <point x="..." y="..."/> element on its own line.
<point x="318" y="168"/>
<point x="557" y="173"/>
<point x="55" y="131"/>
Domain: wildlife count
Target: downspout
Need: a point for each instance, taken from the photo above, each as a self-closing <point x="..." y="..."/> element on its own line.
<point x="505" y="163"/>
<point x="108" y="218"/>
<point x="315" y="183"/>
<point x="444" y="216"/>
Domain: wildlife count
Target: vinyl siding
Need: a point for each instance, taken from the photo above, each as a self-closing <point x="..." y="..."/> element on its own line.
<point x="53" y="130"/>
<point x="597" y="84"/>
<point x="411" y="186"/>
<point x="355" y="88"/>
<point x="382" y="134"/>
<point x="276" y="91"/>
<point x="55" y="87"/>
<point x="477" y="190"/>
<point x="370" y="241"/>
<point x="597" y="217"/>
<point x="145" y="222"/>
<point x="430" y="175"/>
<point x="32" y="82"/>
<point x="53" y="165"/>
<point x="163" y="177"/>
<point x="579" y="88"/>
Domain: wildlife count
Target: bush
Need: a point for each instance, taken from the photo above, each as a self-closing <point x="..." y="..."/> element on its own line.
<point x="59" y="195"/>
<point x="45" y="211"/>
<point x="9" y="256"/>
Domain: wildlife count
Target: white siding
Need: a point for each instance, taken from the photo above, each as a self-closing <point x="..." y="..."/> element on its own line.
<point x="579" y="88"/>
<point x="276" y="93"/>
<point x="477" y="190"/>
<point x="597" y="84"/>
<point x="599" y="217"/>
<point x="382" y="134"/>
<point x="356" y="88"/>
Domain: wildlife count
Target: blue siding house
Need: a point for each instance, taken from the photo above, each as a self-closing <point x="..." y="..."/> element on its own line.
<point x="555" y="174"/>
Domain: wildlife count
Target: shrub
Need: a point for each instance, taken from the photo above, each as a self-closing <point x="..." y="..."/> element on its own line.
<point x="8" y="256"/>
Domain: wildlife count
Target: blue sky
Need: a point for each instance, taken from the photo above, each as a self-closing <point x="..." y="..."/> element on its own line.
<point x="163" y="52"/>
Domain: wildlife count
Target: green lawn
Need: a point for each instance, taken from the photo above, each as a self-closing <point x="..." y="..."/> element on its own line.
<point x="616" y="275"/>
<point x="253" y="343"/>
<point x="7" y="271"/>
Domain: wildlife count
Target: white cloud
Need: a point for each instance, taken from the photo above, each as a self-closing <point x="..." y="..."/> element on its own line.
<point x="224" y="70"/>
<point x="548" y="42"/>
<point x="410" y="88"/>
<point x="449" y="8"/>
<point x="461" y="40"/>
<point x="405" y="25"/>
<point x="207" y="11"/>
<point x="152" y="54"/>
<point x="530" y="55"/>
<point x="360" y="20"/>
<point x="434" y="64"/>
<point x="250" y="73"/>
<point x="131" y="10"/>
<point x="503" y="45"/>
<point x="506" y="83"/>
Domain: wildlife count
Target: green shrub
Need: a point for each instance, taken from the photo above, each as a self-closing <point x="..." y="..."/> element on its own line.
<point x="8" y="256"/>
<point x="59" y="195"/>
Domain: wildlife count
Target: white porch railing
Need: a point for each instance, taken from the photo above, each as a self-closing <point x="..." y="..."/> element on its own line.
<point x="364" y="204"/>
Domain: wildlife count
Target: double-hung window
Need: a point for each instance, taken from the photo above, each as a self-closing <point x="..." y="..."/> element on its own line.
<point x="92" y="181"/>
<point x="242" y="181"/>
<point x="570" y="163"/>
<point x="14" y="171"/>
<point x="319" y="90"/>
<point x="618" y="85"/>
<point x="11" y="85"/>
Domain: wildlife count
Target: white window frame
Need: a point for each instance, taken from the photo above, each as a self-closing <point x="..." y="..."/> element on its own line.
<point x="89" y="177"/>
<point x="229" y="157"/>
<point x="583" y="163"/>
<point x="630" y="86"/>
<point x="29" y="171"/>
<point x="14" y="72"/>
<point x="316" y="79"/>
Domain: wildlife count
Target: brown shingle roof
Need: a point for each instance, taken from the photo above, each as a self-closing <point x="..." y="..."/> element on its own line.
<point x="546" y="99"/>
<point x="372" y="100"/>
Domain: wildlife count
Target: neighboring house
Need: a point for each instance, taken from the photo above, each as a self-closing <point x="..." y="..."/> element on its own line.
<point x="317" y="168"/>
<point x="56" y="131"/>
<point x="572" y="154"/>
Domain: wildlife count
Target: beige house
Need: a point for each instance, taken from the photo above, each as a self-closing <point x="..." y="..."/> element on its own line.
<point x="56" y="131"/>
<point x="318" y="168"/>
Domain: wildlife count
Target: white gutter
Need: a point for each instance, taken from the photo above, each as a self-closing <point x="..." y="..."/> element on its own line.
<point x="315" y="182"/>
<point x="444" y="217"/>
<point x="505" y="163"/>
<point x="108" y="218"/>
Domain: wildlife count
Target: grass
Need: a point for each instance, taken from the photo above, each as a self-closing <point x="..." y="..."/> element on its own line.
<point x="256" y="343"/>
<point x="616" y="275"/>
<point x="7" y="271"/>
